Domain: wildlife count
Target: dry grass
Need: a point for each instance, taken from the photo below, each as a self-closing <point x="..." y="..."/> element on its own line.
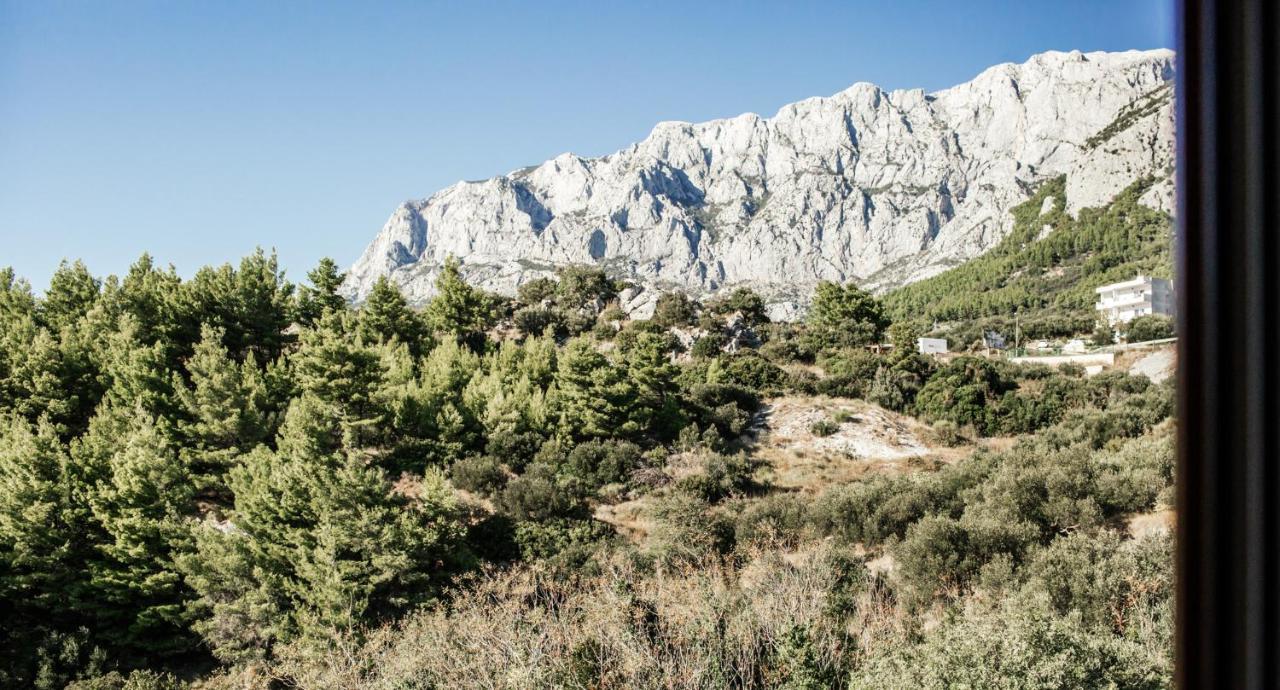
<point x="710" y="625"/>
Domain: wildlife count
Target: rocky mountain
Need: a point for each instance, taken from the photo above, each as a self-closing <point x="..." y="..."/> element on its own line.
<point x="874" y="186"/>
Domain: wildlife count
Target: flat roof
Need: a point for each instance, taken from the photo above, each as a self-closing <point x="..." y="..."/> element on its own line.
<point x="1132" y="282"/>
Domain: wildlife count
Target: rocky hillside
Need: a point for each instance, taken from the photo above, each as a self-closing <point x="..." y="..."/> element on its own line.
<point x="880" y="187"/>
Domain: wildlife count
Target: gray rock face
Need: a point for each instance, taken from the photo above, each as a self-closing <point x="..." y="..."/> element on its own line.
<point x="877" y="187"/>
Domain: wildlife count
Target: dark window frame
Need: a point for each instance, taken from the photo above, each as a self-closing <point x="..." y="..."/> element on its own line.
<point x="1228" y="534"/>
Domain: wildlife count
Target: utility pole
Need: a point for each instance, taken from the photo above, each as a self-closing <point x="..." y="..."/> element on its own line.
<point x="1017" y="334"/>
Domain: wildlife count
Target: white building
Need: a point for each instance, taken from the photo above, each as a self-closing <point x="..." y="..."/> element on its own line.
<point x="931" y="346"/>
<point x="1144" y="295"/>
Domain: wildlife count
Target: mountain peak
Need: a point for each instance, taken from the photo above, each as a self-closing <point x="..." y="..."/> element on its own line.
<point x="865" y="185"/>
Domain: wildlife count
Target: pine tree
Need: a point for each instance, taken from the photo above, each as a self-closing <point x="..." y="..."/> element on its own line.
<point x="594" y="397"/>
<point x="16" y="299"/>
<point x="142" y="506"/>
<point x="321" y="297"/>
<point x="225" y="408"/>
<point x="137" y="374"/>
<point x="845" y="316"/>
<point x="342" y="372"/>
<point x="152" y="297"/>
<point x="316" y="541"/>
<point x="385" y="316"/>
<point x="458" y="309"/>
<point x="252" y="304"/>
<point x="41" y="532"/>
<point x="72" y="292"/>
<point x="656" y="406"/>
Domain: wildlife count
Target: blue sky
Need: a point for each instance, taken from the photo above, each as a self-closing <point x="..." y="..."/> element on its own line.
<point x="199" y="130"/>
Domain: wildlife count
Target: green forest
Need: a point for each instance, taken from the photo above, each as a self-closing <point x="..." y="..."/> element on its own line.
<point x="1046" y="269"/>
<point x="233" y="481"/>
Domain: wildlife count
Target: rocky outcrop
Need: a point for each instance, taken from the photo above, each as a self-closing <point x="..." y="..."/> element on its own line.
<point x="879" y="187"/>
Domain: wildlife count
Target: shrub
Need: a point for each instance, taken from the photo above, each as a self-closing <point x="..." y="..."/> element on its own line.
<point x="136" y="680"/>
<point x="949" y="434"/>
<point x="707" y="346"/>
<point x="541" y="494"/>
<point x="780" y="519"/>
<point x="751" y="371"/>
<point x="479" y="474"/>
<point x="570" y="542"/>
<point x="674" y="309"/>
<point x="1150" y="327"/>
<point x="720" y="476"/>
<point x="1018" y="645"/>
<point x="824" y="427"/>
<point x="534" y="321"/>
<point x="603" y="462"/>
<point x="742" y="301"/>
<point x="685" y="530"/>
<point x="536" y="291"/>
<point x="966" y="392"/>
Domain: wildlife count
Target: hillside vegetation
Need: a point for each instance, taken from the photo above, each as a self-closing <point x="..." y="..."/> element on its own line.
<point x="235" y="482"/>
<point x="1046" y="270"/>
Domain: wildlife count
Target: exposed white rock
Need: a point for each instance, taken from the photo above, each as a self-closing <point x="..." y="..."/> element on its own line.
<point x="866" y="185"/>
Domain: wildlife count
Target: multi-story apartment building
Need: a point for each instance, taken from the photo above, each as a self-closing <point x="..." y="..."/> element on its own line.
<point x="1144" y="295"/>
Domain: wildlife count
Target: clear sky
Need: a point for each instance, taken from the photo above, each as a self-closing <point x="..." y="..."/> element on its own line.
<point x="199" y="130"/>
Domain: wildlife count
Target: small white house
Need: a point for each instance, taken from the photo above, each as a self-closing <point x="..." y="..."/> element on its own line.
<point x="931" y="346"/>
<point x="1142" y="296"/>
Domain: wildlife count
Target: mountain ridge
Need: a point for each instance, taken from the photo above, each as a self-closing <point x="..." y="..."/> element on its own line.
<point x="879" y="187"/>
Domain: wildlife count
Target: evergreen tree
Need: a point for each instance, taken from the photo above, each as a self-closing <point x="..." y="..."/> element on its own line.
<point x="674" y="309"/>
<point x="137" y="374"/>
<point x="656" y="406"/>
<point x="252" y="304"/>
<point x="46" y="536"/>
<point x="142" y="507"/>
<point x="585" y="287"/>
<point x="342" y="372"/>
<point x="41" y="531"/>
<point x="745" y="302"/>
<point x="845" y="316"/>
<point x="459" y="310"/>
<point x="153" y="299"/>
<point x="72" y="292"/>
<point x="385" y="316"/>
<point x="318" y="540"/>
<point x="321" y="297"/>
<point x="225" y="408"/>
<point x="15" y="296"/>
<point x="595" y="397"/>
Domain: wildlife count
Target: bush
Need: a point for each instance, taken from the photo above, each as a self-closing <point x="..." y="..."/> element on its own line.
<point x="569" y="542"/>
<point x="721" y="476"/>
<point x="674" y="309"/>
<point x="136" y="680"/>
<point x="707" y="346"/>
<point x="541" y="494"/>
<point x="742" y="301"/>
<point x="751" y="371"/>
<point x="685" y="530"/>
<point x="949" y="434"/>
<point x="1150" y="327"/>
<point x="784" y="344"/>
<point x="1019" y="645"/>
<point x="823" y="427"/>
<point x="479" y="474"/>
<point x="534" y="321"/>
<point x="515" y="448"/>
<point x="536" y="291"/>
<point x="603" y="462"/>
<point x="966" y="392"/>
<point x="780" y="519"/>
